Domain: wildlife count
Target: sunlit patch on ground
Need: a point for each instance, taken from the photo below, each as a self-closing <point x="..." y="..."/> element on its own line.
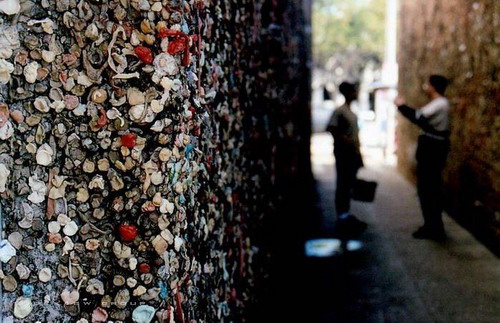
<point x="322" y="248"/>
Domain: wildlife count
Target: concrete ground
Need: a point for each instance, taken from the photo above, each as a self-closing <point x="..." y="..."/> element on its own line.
<point x="393" y="277"/>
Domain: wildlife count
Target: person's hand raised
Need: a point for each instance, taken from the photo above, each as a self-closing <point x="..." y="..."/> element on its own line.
<point x="399" y="101"/>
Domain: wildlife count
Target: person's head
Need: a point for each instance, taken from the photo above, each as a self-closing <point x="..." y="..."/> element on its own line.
<point x="349" y="91"/>
<point x="436" y="84"/>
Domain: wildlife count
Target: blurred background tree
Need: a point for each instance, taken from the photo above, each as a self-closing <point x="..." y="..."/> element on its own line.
<point x="347" y="34"/>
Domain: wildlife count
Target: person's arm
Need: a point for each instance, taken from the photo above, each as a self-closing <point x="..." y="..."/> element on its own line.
<point x="412" y="114"/>
<point x="415" y="117"/>
<point x="333" y="128"/>
<point x="336" y="126"/>
<point x="332" y="125"/>
<point x="408" y="113"/>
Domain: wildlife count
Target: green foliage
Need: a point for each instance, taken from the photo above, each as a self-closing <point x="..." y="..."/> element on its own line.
<point x="347" y="27"/>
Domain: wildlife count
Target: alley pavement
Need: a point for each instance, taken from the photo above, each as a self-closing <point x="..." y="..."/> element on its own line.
<point x="393" y="277"/>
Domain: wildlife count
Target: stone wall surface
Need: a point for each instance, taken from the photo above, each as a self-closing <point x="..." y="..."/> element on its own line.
<point x="461" y="40"/>
<point x="141" y="146"/>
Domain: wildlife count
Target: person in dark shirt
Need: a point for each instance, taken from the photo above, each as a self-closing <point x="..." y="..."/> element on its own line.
<point x="343" y="125"/>
<point x="432" y="151"/>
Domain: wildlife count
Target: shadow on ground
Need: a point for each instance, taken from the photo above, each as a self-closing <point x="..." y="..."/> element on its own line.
<point x="391" y="278"/>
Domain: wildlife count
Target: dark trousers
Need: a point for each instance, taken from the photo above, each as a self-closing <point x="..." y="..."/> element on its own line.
<point x="431" y="159"/>
<point x="347" y="168"/>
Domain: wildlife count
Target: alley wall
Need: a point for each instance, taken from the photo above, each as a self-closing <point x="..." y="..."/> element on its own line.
<point x="461" y="40"/>
<point x="144" y="145"/>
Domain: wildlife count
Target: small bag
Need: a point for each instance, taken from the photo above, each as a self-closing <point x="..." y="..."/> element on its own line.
<point x="364" y="190"/>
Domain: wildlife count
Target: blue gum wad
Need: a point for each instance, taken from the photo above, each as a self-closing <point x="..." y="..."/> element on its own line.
<point x="163" y="290"/>
<point x="143" y="314"/>
<point x="27" y="291"/>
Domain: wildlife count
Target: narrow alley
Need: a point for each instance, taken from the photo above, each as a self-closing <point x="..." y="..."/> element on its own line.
<point x="393" y="277"/>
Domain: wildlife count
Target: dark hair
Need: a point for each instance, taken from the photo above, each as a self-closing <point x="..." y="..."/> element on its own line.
<point x="347" y="88"/>
<point x="439" y="83"/>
